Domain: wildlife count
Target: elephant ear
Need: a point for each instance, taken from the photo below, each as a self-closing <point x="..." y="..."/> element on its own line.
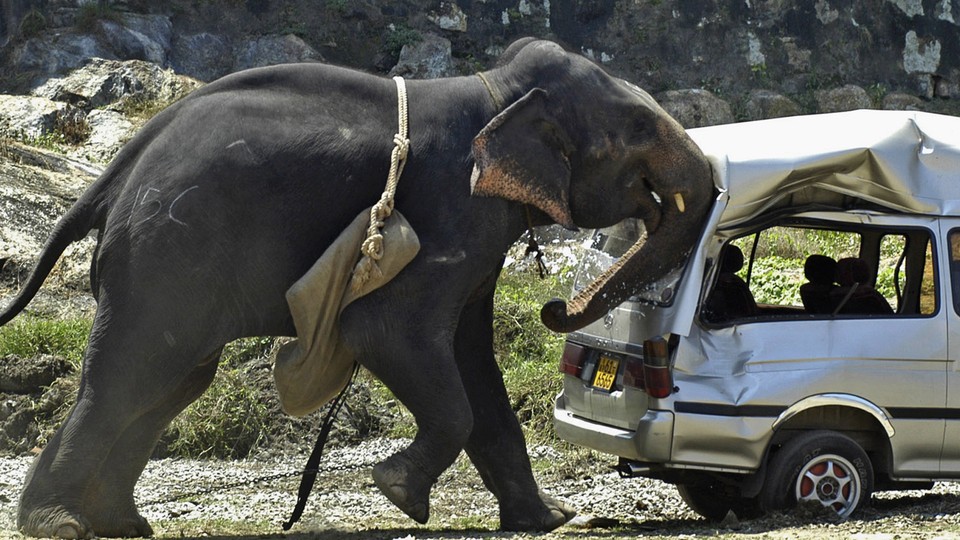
<point x="522" y="155"/>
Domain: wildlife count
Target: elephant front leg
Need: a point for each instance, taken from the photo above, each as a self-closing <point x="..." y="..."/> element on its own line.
<point x="496" y="445"/>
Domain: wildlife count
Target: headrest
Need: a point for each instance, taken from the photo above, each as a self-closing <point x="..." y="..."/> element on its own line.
<point x="731" y="259"/>
<point x="820" y="269"/>
<point x="852" y="270"/>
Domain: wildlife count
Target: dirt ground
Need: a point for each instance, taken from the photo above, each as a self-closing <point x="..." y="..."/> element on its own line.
<point x="346" y="506"/>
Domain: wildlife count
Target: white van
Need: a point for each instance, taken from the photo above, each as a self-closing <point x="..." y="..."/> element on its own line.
<point x="851" y="384"/>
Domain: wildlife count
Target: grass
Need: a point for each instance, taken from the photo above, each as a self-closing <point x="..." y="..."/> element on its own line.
<point x="229" y="420"/>
<point x="29" y="336"/>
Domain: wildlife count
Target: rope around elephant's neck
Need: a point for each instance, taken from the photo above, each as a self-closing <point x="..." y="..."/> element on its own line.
<point x="372" y="248"/>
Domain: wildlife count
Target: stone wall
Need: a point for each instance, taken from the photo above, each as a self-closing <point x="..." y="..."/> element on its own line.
<point x="760" y="58"/>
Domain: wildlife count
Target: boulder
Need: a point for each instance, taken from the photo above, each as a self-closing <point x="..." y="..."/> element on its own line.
<point x="109" y="130"/>
<point x="51" y="53"/>
<point x="695" y="107"/>
<point x="763" y="104"/>
<point x="272" y="50"/>
<point x="103" y="82"/>
<point x="203" y="56"/>
<point x="138" y="37"/>
<point x="429" y="58"/>
<point x="902" y="102"/>
<point x="28" y="117"/>
<point x="846" y="98"/>
<point x="37" y="189"/>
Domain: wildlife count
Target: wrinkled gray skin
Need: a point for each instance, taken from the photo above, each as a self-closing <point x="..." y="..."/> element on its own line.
<point x="226" y="198"/>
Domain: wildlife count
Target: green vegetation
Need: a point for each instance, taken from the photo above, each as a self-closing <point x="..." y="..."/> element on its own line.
<point x="400" y="35"/>
<point x="232" y="416"/>
<point x="91" y="12"/>
<point x="69" y="129"/>
<point x="32" y="24"/>
<point x="526" y="350"/>
<point x="227" y="421"/>
<point x="28" y="336"/>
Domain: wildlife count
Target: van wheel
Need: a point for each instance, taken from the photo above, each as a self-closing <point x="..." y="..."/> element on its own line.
<point x="822" y="467"/>
<point x="712" y="501"/>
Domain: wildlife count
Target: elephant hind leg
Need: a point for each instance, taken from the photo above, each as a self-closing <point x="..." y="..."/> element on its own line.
<point x="135" y="379"/>
<point x="109" y="505"/>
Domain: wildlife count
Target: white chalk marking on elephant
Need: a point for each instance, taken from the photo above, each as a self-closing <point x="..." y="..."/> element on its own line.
<point x="168" y="337"/>
<point x="144" y="202"/>
<point x="174" y="203"/>
<point x="236" y="143"/>
<point x="133" y="210"/>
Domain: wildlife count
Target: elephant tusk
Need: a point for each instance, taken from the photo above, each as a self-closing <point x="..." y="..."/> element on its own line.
<point x="680" y="204"/>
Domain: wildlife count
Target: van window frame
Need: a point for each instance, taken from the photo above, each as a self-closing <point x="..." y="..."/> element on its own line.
<point x="866" y="231"/>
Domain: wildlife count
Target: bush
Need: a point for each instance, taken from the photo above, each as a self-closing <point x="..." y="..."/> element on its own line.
<point x="31" y="336"/>
<point x="226" y="422"/>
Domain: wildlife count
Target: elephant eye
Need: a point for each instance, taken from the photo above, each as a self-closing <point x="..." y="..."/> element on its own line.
<point x="640" y="128"/>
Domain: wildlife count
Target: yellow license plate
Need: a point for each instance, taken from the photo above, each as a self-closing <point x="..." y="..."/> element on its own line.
<point x="606" y="373"/>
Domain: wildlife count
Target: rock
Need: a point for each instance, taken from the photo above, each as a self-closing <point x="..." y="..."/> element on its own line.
<point x="203" y="56"/>
<point x="20" y="375"/>
<point x="109" y="130"/>
<point x="105" y="82"/>
<point x="449" y="17"/>
<point x="696" y="107"/>
<point x="56" y="53"/>
<point x="272" y="50"/>
<point x="38" y="187"/>
<point x="762" y="104"/>
<point x="902" y="102"/>
<point x="28" y="117"/>
<point x="139" y="37"/>
<point x="846" y="98"/>
<point x="429" y="58"/>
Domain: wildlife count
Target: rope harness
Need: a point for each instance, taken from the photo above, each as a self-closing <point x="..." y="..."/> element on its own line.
<point x="372" y="248"/>
<point x="371" y="251"/>
<point x="532" y="245"/>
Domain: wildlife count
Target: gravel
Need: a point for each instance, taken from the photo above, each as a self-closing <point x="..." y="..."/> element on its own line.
<point x="345" y="504"/>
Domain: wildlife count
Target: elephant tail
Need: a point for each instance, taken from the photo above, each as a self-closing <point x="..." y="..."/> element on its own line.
<point x="86" y="214"/>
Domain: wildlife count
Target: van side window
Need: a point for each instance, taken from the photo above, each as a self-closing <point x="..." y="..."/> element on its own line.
<point x="808" y="271"/>
<point x="955" y="267"/>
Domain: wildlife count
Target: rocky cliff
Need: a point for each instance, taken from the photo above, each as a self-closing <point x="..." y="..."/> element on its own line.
<point x="80" y="76"/>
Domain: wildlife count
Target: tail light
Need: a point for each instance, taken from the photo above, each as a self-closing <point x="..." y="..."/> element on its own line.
<point x="571" y="362"/>
<point x="656" y="368"/>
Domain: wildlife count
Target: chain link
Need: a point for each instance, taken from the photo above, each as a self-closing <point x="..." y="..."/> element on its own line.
<point x="258" y="480"/>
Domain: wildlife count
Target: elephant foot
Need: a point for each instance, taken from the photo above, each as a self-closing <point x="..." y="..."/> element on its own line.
<point x="406" y="485"/>
<point x="549" y="514"/>
<point x="53" y="522"/>
<point x="131" y="526"/>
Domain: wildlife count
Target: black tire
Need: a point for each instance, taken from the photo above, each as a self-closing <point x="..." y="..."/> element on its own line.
<point x="713" y="501"/>
<point x="819" y="466"/>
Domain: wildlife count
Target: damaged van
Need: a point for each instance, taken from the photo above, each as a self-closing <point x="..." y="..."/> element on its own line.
<point x="824" y="376"/>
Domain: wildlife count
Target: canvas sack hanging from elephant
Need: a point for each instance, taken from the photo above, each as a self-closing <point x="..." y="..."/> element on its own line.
<point x="225" y="199"/>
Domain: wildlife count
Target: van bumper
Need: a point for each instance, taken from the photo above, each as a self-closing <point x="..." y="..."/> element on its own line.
<point x="651" y="442"/>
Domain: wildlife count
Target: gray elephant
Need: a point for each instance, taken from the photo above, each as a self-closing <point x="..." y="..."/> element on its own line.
<point x="227" y="197"/>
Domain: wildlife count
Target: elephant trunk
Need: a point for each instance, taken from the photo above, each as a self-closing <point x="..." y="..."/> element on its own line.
<point x="664" y="249"/>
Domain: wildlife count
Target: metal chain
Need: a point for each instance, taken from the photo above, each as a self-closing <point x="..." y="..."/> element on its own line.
<point x="253" y="481"/>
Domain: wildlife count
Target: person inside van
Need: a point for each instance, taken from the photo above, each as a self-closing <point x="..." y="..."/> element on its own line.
<point x="856" y="295"/>
<point x="821" y="274"/>
<point x="731" y="297"/>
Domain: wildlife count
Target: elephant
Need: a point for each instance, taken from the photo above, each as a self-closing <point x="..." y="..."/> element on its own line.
<point x="225" y="198"/>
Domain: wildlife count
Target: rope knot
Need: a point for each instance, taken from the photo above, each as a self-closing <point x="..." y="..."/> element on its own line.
<point x="372" y="247"/>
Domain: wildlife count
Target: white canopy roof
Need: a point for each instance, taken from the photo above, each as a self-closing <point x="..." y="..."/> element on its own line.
<point x="903" y="161"/>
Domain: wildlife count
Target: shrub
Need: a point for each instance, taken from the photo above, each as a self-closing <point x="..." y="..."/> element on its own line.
<point x="30" y="336"/>
<point x="226" y="422"/>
